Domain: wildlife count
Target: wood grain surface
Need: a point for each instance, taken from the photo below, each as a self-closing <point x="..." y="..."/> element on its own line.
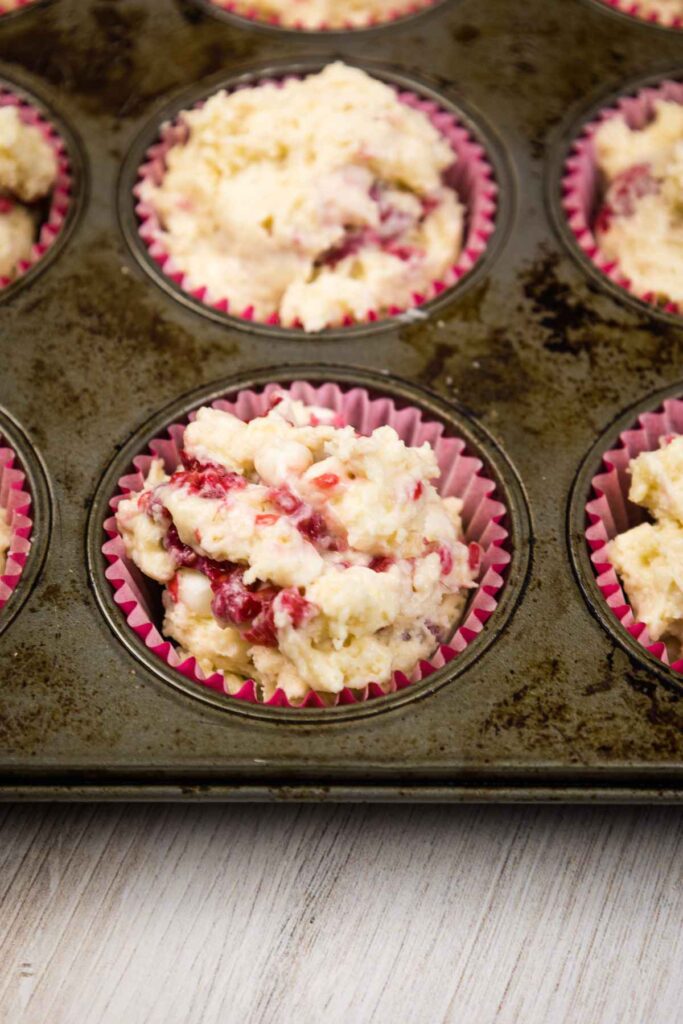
<point x="302" y="914"/>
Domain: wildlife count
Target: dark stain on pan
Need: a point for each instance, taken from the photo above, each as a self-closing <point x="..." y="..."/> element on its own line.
<point x="538" y="709"/>
<point x="466" y="34"/>
<point x="558" y="309"/>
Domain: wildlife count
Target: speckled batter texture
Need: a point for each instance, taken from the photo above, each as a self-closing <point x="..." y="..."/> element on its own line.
<point x="649" y="557"/>
<point x="312" y="200"/>
<point x="640" y="225"/>
<point x="314" y="14"/>
<point x="28" y="169"/>
<point x="667" y="11"/>
<point x="299" y="553"/>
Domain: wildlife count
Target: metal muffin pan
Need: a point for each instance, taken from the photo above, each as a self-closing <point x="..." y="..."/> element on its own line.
<point x="535" y="351"/>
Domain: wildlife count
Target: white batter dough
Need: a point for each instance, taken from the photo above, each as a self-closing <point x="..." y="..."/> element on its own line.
<point x="641" y="223"/>
<point x="667" y="10"/>
<point x="315" y="200"/>
<point x="17" y="231"/>
<point x="28" y="168"/>
<point x="649" y="558"/>
<point x="313" y="14"/>
<point x="299" y="553"/>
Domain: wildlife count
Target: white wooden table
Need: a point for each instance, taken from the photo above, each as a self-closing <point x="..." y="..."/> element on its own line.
<point x="301" y="915"/>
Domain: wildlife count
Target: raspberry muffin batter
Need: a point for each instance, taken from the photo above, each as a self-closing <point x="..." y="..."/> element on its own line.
<point x="667" y="12"/>
<point x="313" y="14"/>
<point x="640" y="225"/>
<point x="28" y="170"/>
<point x="649" y="558"/>
<point x="5" y="538"/>
<point x="310" y="201"/>
<point x="299" y="553"/>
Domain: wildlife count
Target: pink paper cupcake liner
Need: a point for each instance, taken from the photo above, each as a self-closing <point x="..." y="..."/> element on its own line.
<point x="243" y="9"/>
<point x="471" y="176"/>
<point x="636" y="11"/>
<point x="60" y="199"/>
<point x="609" y="512"/>
<point x="582" y="187"/>
<point x="483" y="517"/>
<point x="16" y="500"/>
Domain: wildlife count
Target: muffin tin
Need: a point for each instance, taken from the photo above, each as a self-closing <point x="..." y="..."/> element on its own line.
<point x="535" y="358"/>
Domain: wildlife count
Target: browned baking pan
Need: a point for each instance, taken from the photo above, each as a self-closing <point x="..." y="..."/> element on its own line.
<point x="533" y="358"/>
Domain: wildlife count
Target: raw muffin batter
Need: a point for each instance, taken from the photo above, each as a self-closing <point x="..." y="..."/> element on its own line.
<point x="17" y="232"/>
<point x="649" y="558"/>
<point x="28" y="169"/>
<point x="314" y="200"/>
<point x="299" y="553"/>
<point x="640" y="225"/>
<point x="667" y="10"/>
<point x="5" y="538"/>
<point x="312" y="14"/>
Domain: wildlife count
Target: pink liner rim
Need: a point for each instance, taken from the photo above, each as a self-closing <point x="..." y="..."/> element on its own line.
<point x="481" y="210"/>
<point x="61" y="199"/>
<point x="633" y="9"/>
<point x="607" y="513"/>
<point x="486" y="521"/>
<point x="241" y="9"/>
<point x="580" y="186"/>
<point x="15" y="498"/>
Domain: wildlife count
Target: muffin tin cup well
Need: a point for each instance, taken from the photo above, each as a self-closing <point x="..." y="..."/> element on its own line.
<point x="479" y="175"/>
<point x="244" y="14"/>
<point x="63" y="205"/>
<point x="24" y="496"/>
<point x="635" y="11"/>
<point x="494" y="516"/>
<point x="576" y="202"/>
<point x="600" y="509"/>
